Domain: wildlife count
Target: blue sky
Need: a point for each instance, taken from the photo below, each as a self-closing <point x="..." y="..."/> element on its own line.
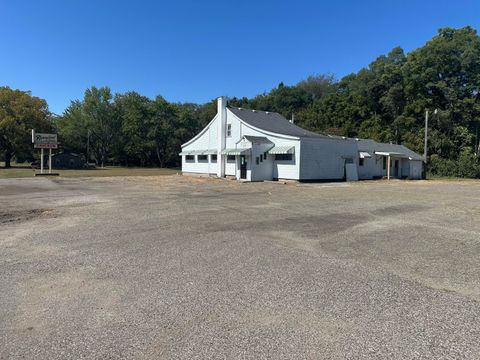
<point x="193" y="51"/>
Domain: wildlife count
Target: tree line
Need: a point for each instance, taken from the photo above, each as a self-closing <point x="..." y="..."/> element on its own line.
<point x="385" y="101"/>
<point x="129" y="129"/>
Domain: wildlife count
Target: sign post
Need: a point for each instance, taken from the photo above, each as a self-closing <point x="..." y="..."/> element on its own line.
<point x="45" y="141"/>
<point x="41" y="161"/>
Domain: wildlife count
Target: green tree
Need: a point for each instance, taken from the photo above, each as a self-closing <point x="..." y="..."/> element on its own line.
<point x="72" y="129"/>
<point x="135" y="114"/>
<point x="20" y="112"/>
<point x="161" y="129"/>
<point x="101" y="121"/>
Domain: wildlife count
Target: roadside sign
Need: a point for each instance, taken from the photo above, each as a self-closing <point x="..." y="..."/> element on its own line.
<point x="45" y="141"/>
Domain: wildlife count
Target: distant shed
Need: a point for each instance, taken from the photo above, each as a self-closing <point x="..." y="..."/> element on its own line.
<point x="68" y="161"/>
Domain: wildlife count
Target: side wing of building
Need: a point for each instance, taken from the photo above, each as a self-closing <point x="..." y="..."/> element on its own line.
<point x="325" y="158"/>
<point x="197" y="152"/>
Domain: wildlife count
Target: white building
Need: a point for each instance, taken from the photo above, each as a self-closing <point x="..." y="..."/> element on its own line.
<point x="253" y="145"/>
<point x="376" y="159"/>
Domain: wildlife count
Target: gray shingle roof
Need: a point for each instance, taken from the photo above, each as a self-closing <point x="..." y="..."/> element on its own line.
<point x="368" y="145"/>
<point x="276" y="123"/>
<point x="272" y="122"/>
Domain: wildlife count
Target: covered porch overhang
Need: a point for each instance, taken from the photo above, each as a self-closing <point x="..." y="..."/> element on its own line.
<point x="389" y="155"/>
<point x="236" y="152"/>
<point x="198" y="152"/>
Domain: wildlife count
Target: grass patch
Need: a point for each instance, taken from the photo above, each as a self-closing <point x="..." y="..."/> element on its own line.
<point x="19" y="171"/>
<point x="443" y="177"/>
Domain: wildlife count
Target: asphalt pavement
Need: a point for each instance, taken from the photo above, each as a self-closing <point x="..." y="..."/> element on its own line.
<point x="173" y="267"/>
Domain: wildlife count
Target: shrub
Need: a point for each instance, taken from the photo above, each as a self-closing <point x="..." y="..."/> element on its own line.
<point x="467" y="165"/>
<point x="442" y="167"/>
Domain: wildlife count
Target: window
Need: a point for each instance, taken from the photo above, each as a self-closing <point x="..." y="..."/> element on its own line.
<point x="189" y="158"/>
<point x="229" y="130"/>
<point x="213" y="157"/>
<point x="261" y="157"/>
<point x="230" y="157"/>
<point x="384" y="163"/>
<point x="265" y="155"/>
<point x="360" y="162"/>
<point x="202" y="157"/>
<point x="286" y="157"/>
<point x="257" y="160"/>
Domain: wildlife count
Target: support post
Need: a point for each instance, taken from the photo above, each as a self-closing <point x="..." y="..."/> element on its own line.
<point x="41" y="161"/>
<point x="49" y="161"/>
<point x="388" y="167"/>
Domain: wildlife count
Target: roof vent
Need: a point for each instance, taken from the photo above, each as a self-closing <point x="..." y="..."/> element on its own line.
<point x="266" y="112"/>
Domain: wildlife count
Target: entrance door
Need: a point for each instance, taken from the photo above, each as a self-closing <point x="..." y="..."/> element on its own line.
<point x="243" y="167"/>
<point x="396" y="168"/>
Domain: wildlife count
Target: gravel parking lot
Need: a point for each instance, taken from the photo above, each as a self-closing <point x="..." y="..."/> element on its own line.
<point x="175" y="267"/>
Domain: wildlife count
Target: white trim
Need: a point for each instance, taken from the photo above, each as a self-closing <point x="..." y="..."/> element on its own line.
<point x="200" y="133"/>
<point x="390" y="153"/>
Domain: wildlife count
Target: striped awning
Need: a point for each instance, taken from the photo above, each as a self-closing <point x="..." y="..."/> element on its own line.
<point x="282" y="150"/>
<point x="235" y="151"/>
<point x="364" y="154"/>
<point x="209" y="152"/>
<point x="192" y="152"/>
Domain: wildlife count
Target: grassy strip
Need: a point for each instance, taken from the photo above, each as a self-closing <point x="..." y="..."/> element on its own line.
<point x="19" y="171"/>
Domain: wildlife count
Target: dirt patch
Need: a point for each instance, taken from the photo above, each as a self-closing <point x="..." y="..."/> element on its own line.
<point x="399" y="209"/>
<point x="15" y="216"/>
<point x="312" y="226"/>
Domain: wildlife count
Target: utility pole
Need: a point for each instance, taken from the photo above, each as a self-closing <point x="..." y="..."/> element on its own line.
<point x="50" y="160"/>
<point x="425" y="151"/>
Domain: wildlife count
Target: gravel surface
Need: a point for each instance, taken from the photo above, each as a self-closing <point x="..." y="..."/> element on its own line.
<point x="175" y="267"/>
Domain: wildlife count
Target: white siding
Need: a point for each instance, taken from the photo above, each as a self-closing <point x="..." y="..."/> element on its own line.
<point x="366" y="171"/>
<point x="324" y="158"/>
<point x="373" y="167"/>
<point x="207" y="140"/>
<point x="230" y="167"/>
<point x="280" y="169"/>
<point x="264" y="169"/>
<point x="416" y="168"/>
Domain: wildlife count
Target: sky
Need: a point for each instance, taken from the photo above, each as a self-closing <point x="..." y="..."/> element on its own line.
<point x="194" y="51"/>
